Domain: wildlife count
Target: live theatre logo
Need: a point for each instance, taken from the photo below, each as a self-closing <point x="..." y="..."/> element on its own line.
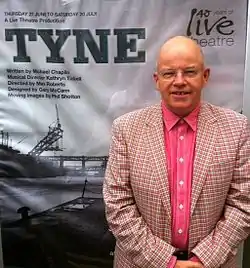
<point x="211" y="28"/>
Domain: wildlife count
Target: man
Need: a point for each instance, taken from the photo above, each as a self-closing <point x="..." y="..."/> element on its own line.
<point x="177" y="185"/>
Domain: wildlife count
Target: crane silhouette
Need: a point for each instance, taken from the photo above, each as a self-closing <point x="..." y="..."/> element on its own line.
<point x="52" y="138"/>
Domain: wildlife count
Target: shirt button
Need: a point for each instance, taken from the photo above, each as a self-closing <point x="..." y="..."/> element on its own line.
<point x="180" y="231"/>
<point x="181" y="206"/>
<point x="181" y="138"/>
<point x="181" y="160"/>
<point x="181" y="182"/>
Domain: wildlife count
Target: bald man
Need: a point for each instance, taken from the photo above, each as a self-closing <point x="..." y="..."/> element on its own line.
<point x="177" y="184"/>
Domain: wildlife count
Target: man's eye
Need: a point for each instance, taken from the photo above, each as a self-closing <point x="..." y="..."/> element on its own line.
<point x="169" y="74"/>
<point x="190" y="72"/>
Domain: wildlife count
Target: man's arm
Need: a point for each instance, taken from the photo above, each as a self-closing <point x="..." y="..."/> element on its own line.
<point x="234" y="226"/>
<point x="126" y="223"/>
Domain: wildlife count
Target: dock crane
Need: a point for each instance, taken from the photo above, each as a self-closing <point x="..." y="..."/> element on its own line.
<point x="54" y="134"/>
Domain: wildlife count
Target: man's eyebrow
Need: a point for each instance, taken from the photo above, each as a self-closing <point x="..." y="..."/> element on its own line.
<point x="173" y="69"/>
<point x="191" y="67"/>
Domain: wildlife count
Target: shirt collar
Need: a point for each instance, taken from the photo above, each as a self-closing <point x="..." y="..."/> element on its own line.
<point x="171" y="119"/>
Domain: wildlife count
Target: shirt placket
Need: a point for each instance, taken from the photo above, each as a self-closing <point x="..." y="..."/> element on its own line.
<point x="181" y="185"/>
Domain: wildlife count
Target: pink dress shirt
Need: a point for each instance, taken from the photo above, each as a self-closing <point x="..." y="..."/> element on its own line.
<point x="180" y="135"/>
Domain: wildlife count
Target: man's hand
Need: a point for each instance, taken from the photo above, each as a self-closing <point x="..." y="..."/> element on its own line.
<point x="188" y="264"/>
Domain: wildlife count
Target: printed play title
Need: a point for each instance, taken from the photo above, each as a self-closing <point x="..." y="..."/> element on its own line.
<point x="55" y="39"/>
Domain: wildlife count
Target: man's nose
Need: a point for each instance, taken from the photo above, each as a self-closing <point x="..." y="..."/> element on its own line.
<point x="179" y="79"/>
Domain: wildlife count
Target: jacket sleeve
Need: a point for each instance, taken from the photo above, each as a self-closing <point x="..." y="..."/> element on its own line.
<point x="132" y="234"/>
<point x="234" y="225"/>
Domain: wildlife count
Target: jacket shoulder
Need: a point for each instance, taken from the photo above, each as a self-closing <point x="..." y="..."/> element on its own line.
<point x="225" y="115"/>
<point x="136" y="117"/>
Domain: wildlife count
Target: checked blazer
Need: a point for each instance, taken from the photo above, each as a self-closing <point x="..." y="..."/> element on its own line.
<point x="136" y="190"/>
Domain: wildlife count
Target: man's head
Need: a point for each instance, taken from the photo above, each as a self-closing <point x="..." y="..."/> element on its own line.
<point x="181" y="74"/>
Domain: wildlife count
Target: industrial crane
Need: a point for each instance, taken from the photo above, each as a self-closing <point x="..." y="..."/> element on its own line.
<point x="54" y="134"/>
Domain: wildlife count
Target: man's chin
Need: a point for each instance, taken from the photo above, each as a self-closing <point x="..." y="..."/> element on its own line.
<point x="181" y="110"/>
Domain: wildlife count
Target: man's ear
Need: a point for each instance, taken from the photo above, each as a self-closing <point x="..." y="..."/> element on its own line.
<point x="156" y="78"/>
<point x="206" y="75"/>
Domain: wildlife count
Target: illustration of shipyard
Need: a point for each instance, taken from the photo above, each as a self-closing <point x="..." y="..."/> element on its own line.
<point x="52" y="210"/>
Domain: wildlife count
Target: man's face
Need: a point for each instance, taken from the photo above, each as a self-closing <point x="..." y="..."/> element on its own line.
<point x="180" y="78"/>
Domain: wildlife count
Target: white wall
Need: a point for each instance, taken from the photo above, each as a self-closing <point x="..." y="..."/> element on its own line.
<point x="246" y="98"/>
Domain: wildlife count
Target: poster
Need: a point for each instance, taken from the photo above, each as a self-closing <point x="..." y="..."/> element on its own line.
<point x="68" y="68"/>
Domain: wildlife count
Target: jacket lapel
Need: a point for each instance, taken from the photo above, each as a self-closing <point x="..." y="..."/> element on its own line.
<point x="205" y="141"/>
<point x="155" y="140"/>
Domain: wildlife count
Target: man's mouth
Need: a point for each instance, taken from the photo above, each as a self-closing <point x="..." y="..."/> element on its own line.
<point x="180" y="93"/>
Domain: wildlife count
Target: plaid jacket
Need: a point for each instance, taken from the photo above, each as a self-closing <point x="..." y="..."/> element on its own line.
<point x="137" y="198"/>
